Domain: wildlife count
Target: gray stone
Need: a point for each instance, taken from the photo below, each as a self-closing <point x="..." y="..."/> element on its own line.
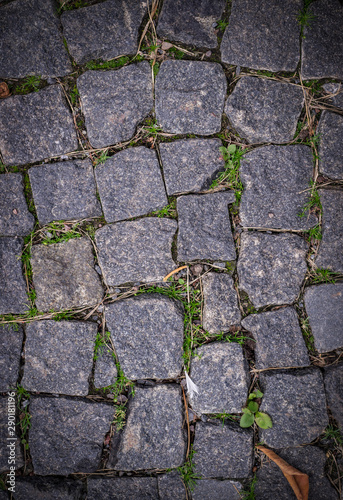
<point x="330" y="131"/>
<point x="114" y="102"/>
<point x="330" y="254"/>
<point x="295" y="401"/>
<point x="136" y="251"/>
<point x="324" y="306"/>
<point x="279" y="341"/>
<point x="15" y="219"/>
<point x="333" y="381"/>
<point x="271" y="483"/>
<point x="11" y="340"/>
<point x="13" y="298"/>
<point x="204" y="227"/>
<point x="59" y="356"/>
<point x="4" y="435"/>
<point x="271" y="268"/>
<point x="64" y="191"/>
<point x="190" y="165"/>
<point x="276" y="181"/>
<point x="36" y="126"/>
<point x="220" y="310"/>
<point x="105" y="372"/>
<point x="30" y="40"/>
<point x="52" y="488"/>
<point x="74" y="430"/>
<point x="106" y="30"/>
<point x="171" y="487"/>
<point x="190" y="97"/>
<point x="190" y="21"/>
<point x="122" y="488"/>
<point x="153" y="437"/>
<point x="322" y="46"/>
<point x="221" y="375"/>
<point x="130" y="184"/>
<point x="147" y="333"/>
<point x="222" y="450"/>
<point x="264" y="110"/>
<point x="263" y="35"/>
<point x="64" y="276"/>
<point x="208" y="489"/>
<point x="337" y="90"/>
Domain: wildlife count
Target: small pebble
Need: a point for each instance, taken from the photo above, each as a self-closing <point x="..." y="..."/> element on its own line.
<point x="64" y="157"/>
<point x="98" y="269"/>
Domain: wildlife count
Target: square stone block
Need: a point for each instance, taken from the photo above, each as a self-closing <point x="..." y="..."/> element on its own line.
<point x="59" y="356"/>
<point x="222" y="450"/>
<point x="324" y="306"/>
<point x="208" y="489"/>
<point x="36" y="126"/>
<point x="15" y="219"/>
<point x="279" y="341"/>
<point x="153" y="437"/>
<point x="43" y="488"/>
<point x="204" y="227"/>
<point x="136" y="250"/>
<point x="64" y="191"/>
<point x="130" y="184"/>
<point x="13" y="298"/>
<point x="114" y="102"/>
<point x="276" y="181"/>
<point x="296" y="403"/>
<point x="190" y="165"/>
<point x="105" y="30"/>
<point x="74" y="429"/>
<point x="333" y="381"/>
<point x="123" y="488"/>
<point x="30" y="40"/>
<point x="5" y="450"/>
<point x="11" y="341"/>
<point x="221" y="374"/>
<point x="190" y="97"/>
<point x="271" y="268"/>
<point x="330" y="254"/>
<point x="64" y="276"/>
<point x="147" y="333"/>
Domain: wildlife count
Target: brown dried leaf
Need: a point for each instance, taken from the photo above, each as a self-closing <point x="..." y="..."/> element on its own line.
<point x="4" y="90"/>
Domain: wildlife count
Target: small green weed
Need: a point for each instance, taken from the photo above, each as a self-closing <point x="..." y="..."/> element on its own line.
<point x="307" y="334"/>
<point x="249" y="492"/>
<point x="71" y="4"/>
<point x="321" y="275"/>
<point x="305" y="18"/>
<point x="30" y="84"/>
<point x="167" y="211"/>
<point x="122" y="384"/>
<point x="315" y="233"/>
<point x="119" y="419"/>
<point x="151" y="128"/>
<point x="313" y="204"/>
<point x="100" y="344"/>
<point x="251" y="413"/>
<point x="23" y="400"/>
<point x="177" y="54"/>
<point x="113" y="64"/>
<point x="332" y="433"/>
<point x="222" y="24"/>
<point x="224" y="416"/>
<point x="230" y="177"/>
<point x="59" y="231"/>
<point x="74" y="96"/>
<point x="266" y="73"/>
<point x="102" y="157"/>
<point x="187" y="471"/>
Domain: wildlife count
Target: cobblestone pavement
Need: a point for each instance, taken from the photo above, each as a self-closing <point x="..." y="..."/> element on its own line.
<point x="171" y="202"/>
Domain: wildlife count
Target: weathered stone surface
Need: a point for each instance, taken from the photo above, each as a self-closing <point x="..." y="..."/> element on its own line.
<point x="190" y="21"/>
<point x="221" y="374"/>
<point x="337" y="90"/>
<point x="15" y="219"/>
<point x="263" y="35"/>
<point x="30" y="41"/>
<point x="130" y="184"/>
<point x="271" y="267"/>
<point x="64" y="191"/>
<point x="36" y="126"/>
<point x="64" y="275"/>
<point x="4" y="435"/>
<point x="123" y="488"/>
<point x="330" y="254"/>
<point x="208" y="489"/>
<point x="220" y="310"/>
<point x="105" y="371"/>
<point x="104" y="30"/>
<point x="13" y="298"/>
<point x="171" y="486"/>
<point x="271" y="483"/>
<point x="322" y="46"/>
<point x="279" y="341"/>
<point x="136" y="250"/>
<point x="333" y="381"/>
<point x="75" y="430"/>
<point x="296" y="404"/>
<point x="153" y="437"/>
<point x="114" y="102"/>
<point x="222" y="450"/>
<point x="204" y="227"/>
<point x="190" y="165"/>
<point x="52" y="488"/>
<point x="264" y="110"/>
<point x="11" y="341"/>
<point x="276" y="180"/>
<point x="147" y="333"/>
<point x="190" y="97"/>
<point x="330" y="130"/>
<point x="59" y="356"/>
<point x="324" y="306"/>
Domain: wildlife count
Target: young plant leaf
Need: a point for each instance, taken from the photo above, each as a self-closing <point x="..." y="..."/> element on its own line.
<point x="231" y="149"/>
<point x="252" y="395"/>
<point x="258" y="393"/>
<point x="263" y="420"/>
<point x="253" y="406"/>
<point x="247" y="419"/>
